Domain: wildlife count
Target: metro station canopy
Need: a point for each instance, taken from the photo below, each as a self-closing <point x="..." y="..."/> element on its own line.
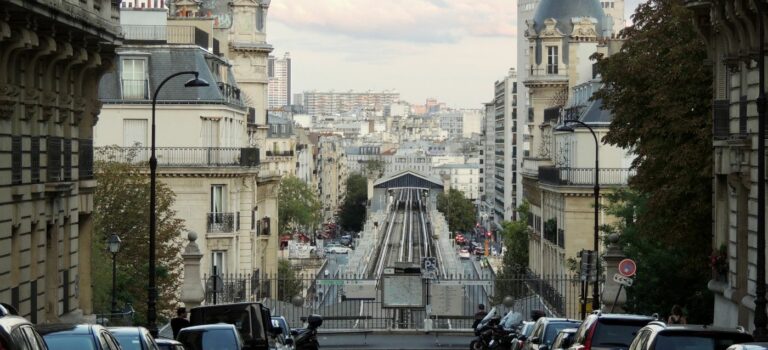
<point x="409" y="179"/>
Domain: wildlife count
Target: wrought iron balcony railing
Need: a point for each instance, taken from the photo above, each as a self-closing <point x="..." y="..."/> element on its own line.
<point x="221" y="222"/>
<point x="166" y="34"/>
<point x="584" y="176"/>
<point x="182" y="156"/>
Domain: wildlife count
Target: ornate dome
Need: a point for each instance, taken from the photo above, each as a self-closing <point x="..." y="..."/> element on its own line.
<point x="564" y="10"/>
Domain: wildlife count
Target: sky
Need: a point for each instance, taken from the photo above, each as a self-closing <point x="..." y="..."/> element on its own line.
<point x="453" y="50"/>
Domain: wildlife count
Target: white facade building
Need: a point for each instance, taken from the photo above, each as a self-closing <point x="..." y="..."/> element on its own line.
<point x="334" y="103"/>
<point x="279" y="86"/>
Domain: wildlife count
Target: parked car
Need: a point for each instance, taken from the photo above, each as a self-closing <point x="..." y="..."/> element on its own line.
<point x="464" y="253"/>
<point x="134" y="338"/>
<point x="337" y="249"/>
<point x="284" y="339"/>
<point x="252" y="320"/>
<point x="601" y="331"/>
<point x="564" y="339"/>
<point x="545" y="330"/>
<point x="168" y="344"/>
<point x="459" y="239"/>
<point x="16" y="333"/>
<point x="749" y="346"/>
<point x="659" y="335"/>
<point x="525" y="332"/>
<point x="478" y="250"/>
<point x="78" y="336"/>
<point x="220" y="336"/>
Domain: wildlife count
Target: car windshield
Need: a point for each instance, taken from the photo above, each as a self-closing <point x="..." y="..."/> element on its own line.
<point x="219" y="339"/>
<point x="614" y="332"/>
<point x="716" y="341"/>
<point x="129" y="341"/>
<point x="70" y="341"/>
<point x="553" y="328"/>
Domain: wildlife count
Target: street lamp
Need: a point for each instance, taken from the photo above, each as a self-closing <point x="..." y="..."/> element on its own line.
<point x="152" y="290"/>
<point x="113" y="246"/>
<point x="596" y="238"/>
<point x="761" y="319"/>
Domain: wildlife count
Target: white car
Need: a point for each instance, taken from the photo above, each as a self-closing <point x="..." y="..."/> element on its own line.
<point x="337" y="249"/>
<point x="464" y="253"/>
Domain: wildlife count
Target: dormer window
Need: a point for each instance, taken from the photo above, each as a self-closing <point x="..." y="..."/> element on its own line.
<point x="134" y="79"/>
<point x="552" y="59"/>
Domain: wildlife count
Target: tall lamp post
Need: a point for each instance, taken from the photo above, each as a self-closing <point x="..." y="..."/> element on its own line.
<point x="596" y="238"/>
<point x="760" y="333"/>
<point x="152" y="289"/>
<point x="113" y="246"/>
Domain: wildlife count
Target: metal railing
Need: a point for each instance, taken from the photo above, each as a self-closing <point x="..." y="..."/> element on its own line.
<point x="279" y="153"/>
<point x="221" y="222"/>
<point x="328" y="296"/>
<point x="584" y="176"/>
<point x="181" y="156"/>
<point x="167" y="34"/>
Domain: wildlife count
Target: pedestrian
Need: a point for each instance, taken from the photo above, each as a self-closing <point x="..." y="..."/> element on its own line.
<point x="676" y="316"/>
<point x="479" y="315"/>
<point x="180" y="321"/>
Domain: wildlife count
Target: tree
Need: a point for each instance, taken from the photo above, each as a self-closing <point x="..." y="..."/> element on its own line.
<point x="289" y="283"/>
<point x="659" y="93"/>
<point x="352" y="213"/>
<point x="121" y="206"/>
<point x="374" y="168"/>
<point x="298" y="205"/>
<point x="515" y="260"/>
<point x="459" y="211"/>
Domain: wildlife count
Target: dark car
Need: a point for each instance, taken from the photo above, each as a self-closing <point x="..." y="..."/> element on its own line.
<point x="545" y="330"/>
<point x="564" y="339"/>
<point x="77" y="336"/>
<point x="601" y="331"/>
<point x="16" y="333"/>
<point x="252" y="321"/>
<point x="525" y="332"/>
<point x="134" y="338"/>
<point x="220" y="336"/>
<point x="284" y="340"/>
<point x="659" y="335"/>
<point x="168" y="344"/>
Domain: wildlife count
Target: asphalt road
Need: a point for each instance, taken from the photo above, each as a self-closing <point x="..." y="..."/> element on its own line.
<point x="394" y="341"/>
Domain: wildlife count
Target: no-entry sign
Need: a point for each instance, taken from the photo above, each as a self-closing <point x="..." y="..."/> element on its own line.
<point x="627" y="267"/>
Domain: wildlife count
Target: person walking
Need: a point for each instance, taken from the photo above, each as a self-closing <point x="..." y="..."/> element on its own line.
<point x="180" y="321"/>
<point x="479" y="315"/>
<point x="676" y="316"/>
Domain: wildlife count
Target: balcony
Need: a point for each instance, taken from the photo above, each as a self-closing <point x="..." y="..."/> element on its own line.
<point x="221" y="222"/>
<point x="231" y="94"/>
<point x="531" y="165"/>
<point x="192" y="157"/>
<point x="584" y="176"/>
<point x="166" y="34"/>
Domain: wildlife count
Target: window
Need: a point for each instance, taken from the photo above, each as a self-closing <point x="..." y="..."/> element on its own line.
<point x="552" y="59"/>
<point x="134" y="132"/>
<point x="134" y="79"/>
<point x="218" y="262"/>
<point x="217" y="198"/>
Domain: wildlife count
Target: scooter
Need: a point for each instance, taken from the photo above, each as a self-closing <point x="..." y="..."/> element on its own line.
<point x="496" y="333"/>
<point x="306" y="338"/>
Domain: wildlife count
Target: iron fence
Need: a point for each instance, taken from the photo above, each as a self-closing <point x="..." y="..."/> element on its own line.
<point x="181" y="156"/>
<point x="335" y="298"/>
<point x="584" y="176"/>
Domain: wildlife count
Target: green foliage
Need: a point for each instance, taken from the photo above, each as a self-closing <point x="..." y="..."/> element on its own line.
<point x="374" y="168"/>
<point x="121" y="206"/>
<point x="659" y="93"/>
<point x="664" y="276"/>
<point x="298" y="205"/>
<point x="515" y="259"/>
<point x="289" y="284"/>
<point x="353" y="210"/>
<point x="459" y="211"/>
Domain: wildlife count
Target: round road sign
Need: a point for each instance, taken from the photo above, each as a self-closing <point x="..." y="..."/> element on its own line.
<point x="627" y="267"/>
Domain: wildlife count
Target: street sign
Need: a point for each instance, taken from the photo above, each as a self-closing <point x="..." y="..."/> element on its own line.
<point x="627" y="267"/>
<point x="324" y="282"/>
<point x="429" y="267"/>
<point x="626" y="281"/>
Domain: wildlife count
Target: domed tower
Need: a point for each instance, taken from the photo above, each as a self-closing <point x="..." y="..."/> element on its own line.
<point x="561" y="37"/>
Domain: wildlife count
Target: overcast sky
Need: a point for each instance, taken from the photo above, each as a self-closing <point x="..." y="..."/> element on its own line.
<point x="452" y="50"/>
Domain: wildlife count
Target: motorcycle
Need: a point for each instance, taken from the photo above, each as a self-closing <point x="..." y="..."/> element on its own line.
<point x="306" y="338"/>
<point x="496" y="333"/>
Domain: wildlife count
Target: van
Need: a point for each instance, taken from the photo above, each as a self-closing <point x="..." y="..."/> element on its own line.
<point x="252" y="321"/>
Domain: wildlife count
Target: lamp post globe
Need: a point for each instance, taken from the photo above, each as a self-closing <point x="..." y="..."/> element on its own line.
<point x="113" y="246"/>
<point x="152" y="288"/>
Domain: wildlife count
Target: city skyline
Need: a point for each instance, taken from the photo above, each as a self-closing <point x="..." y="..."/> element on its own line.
<point x="421" y="48"/>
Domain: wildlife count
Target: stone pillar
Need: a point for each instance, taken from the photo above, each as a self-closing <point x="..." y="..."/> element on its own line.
<point x="192" y="291"/>
<point x="613" y="256"/>
<point x="370" y="189"/>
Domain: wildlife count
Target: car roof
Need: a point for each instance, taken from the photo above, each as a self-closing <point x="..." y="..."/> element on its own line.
<point x="624" y="316"/>
<point x="209" y="326"/>
<point x="750" y="346"/>
<point x="126" y="330"/>
<point x="694" y="328"/>
<point x="12" y="321"/>
<point x="558" y="320"/>
<point x="46" y="329"/>
<point x="167" y="341"/>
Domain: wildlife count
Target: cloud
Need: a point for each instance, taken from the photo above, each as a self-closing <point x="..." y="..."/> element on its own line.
<point x="413" y="21"/>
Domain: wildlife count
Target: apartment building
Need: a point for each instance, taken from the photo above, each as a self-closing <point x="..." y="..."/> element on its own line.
<point x="505" y="148"/>
<point x="336" y="102"/>
<point x="47" y="111"/>
<point x="332" y="175"/>
<point x="279" y="86"/>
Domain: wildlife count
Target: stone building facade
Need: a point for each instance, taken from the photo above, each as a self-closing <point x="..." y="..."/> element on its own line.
<point x="53" y="54"/>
